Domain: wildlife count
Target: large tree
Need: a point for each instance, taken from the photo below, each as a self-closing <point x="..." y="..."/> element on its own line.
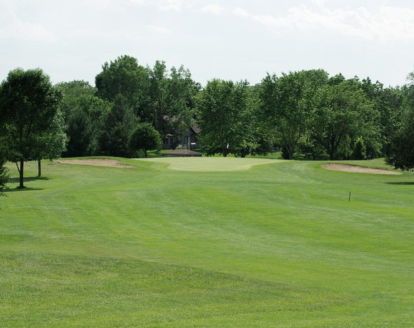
<point x="126" y="77"/>
<point x="171" y="99"/>
<point x="342" y="113"/>
<point x="28" y="104"/>
<point x="402" y="141"/>
<point x="51" y="142"/>
<point x="83" y="113"/>
<point x="287" y="105"/>
<point x="72" y="92"/>
<point x="116" y="128"/>
<point x="222" y="114"/>
<point x="402" y="145"/>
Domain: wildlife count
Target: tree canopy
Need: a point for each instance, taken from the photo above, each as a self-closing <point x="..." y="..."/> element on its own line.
<point x="28" y="105"/>
<point x="341" y="114"/>
<point x="223" y="114"/>
<point x="402" y="141"/>
<point x="306" y="113"/>
<point x="144" y="138"/>
<point x="287" y="105"/>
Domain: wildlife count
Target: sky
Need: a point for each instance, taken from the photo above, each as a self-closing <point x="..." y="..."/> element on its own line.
<point x="229" y="40"/>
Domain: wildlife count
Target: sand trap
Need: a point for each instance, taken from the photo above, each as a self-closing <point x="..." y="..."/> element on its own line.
<point x="210" y="163"/>
<point x="357" y="169"/>
<point x="94" y="162"/>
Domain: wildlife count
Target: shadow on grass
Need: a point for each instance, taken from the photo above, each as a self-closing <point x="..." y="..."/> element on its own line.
<point x="17" y="179"/>
<point x="18" y="189"/>
<point x="406" y="183"/>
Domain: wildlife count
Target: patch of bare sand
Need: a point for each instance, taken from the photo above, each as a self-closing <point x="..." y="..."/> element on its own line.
<point x="357" y="169"/>
<point x="94" y="162"/>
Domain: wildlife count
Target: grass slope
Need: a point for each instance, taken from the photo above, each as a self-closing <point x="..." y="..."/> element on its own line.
<point x="276" y="245"/>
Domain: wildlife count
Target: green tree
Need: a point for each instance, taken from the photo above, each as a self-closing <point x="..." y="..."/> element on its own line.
<point x="28" y="104"/>
<point x="388" y="102"/>
<point x="171" y="99"/>
<point x="402" y="141"/>
<point x="402" y="145"/>
<point x="144" y="138"/>
<point x="51" y="142"/>
<point x="73" y="91"/>
<point x="287" y="105"/>
<point x="83" y="123"/>
<point x="117" y="126"/>
<point x="359" y="151"/>
<point x="180" y="100"/>
<point x="222" y="112"/>
<point x="341" y="112"/>
<point x="124" y="76"/>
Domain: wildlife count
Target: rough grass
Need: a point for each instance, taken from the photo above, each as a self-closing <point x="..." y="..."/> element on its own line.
<point x="275" y="245"/>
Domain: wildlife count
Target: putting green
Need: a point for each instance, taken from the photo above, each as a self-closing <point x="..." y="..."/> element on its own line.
<point x="210" y="163"/>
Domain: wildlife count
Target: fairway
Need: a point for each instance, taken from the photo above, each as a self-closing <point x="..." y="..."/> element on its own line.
<point x="210" y="163"/>
<point x="207" y="242"/>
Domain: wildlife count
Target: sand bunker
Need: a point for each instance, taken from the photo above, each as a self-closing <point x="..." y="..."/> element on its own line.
<point x="357" y="169"/>
<point x="94" y="162"/>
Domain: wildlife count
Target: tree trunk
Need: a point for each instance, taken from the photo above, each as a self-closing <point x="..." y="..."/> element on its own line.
<point x="290" y="150"/>
<point x="39" y="168"/>
<point x="21" y="173"/>
<point x="145" y="153"/>
<point x="331" y="151"/>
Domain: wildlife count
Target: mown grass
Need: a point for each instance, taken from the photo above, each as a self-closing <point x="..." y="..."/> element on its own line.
<point x="277" y="245"/>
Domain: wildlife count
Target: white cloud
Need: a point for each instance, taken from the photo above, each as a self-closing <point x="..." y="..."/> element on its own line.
<point x="214" y="9"/>
<point x="107" y="36"/>
<point x="158" y="29"/>
<point x="138" y="2"/>
<point x="172" y="5"/>
<point x="241" y="12"/>
<point x="319" y="3"/>
<point x="387" y="24"/>
<point x="14" y="28"/>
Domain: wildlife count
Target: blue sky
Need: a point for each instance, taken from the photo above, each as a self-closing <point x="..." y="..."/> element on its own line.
<point x="214" y="39"/>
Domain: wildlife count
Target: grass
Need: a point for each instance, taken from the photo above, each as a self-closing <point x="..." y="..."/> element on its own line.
<point x="210" y="163"/>
<point x="276" y="245"/>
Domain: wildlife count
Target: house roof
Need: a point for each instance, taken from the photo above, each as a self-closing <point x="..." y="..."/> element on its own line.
<point x="196" y="128"/>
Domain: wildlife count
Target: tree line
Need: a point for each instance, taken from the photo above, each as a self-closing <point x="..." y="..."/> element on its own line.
<point x="131" y="108"/>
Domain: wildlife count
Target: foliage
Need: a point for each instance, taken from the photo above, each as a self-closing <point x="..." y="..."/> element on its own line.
<point x="342" y="111"/>
<point x="28" y="104"/>
<point x="287" y="105"/>
<point x="171" y="99"/>
<point x="50" y="143"/>
<point x="73" y="91"/>
<point x="126" y="77"/>
<point x="84" y="115"/>
<point x="144" y="137"/>
<point x="388" y="104"/>
<point x="402" y="149"/>
<point x="359" y="152"/>
<point x="117" y="126"/>
<point x="225" y="114"/>
<point x="402" y="142"/>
